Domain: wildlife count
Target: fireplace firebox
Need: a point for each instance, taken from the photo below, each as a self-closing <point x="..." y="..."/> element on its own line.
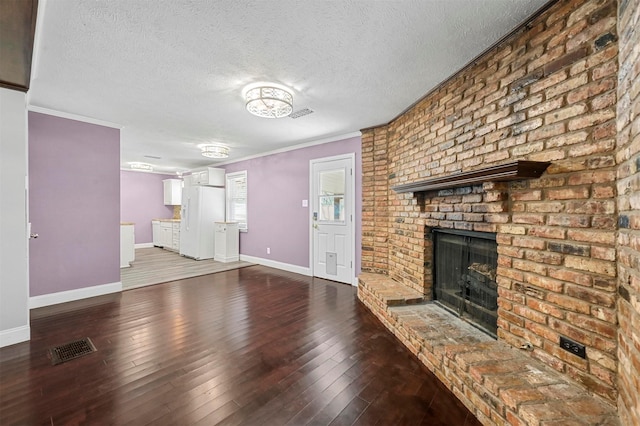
<point x="465" y="264"/>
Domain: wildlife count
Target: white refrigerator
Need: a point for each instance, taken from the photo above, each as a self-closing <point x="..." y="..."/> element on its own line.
<point x="202" y="206"/>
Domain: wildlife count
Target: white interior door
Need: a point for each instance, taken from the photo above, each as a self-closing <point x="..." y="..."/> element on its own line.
<point x="333" y="239"/>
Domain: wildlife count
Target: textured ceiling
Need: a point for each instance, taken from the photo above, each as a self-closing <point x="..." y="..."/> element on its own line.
<point x="171" y="72"/>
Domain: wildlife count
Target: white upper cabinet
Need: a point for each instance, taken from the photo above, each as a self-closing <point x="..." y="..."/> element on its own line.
<point x="172" y="192"/>
<point x="210" y="176"/>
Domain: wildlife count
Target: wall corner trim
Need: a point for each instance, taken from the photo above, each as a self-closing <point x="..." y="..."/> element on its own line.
<point x="15" y="335"/>
<point x="71" y="295"/>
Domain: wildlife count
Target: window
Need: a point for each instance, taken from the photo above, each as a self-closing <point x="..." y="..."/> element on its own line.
<point x="331" y="195"/>
<point x="237" y="198"/>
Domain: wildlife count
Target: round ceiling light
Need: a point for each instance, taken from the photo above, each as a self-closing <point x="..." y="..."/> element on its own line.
<point x="269" y="102"/>
<point x="215" y="151"/>
<point x="141" y="166"/>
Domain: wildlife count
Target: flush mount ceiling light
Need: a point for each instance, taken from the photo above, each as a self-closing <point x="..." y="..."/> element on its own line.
<point x="215" y="151"/>
<point x="141" y="166"/>
<point x="269" y="101"/>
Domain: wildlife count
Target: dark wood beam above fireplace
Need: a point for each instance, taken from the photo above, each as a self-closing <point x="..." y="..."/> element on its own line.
<point x="516" y="170"/>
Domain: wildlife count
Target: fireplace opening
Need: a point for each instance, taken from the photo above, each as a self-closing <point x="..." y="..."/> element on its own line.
<point x="465" y="264"/>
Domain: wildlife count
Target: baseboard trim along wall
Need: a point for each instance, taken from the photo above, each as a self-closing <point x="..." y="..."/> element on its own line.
<point x="71" y="295"/>
<point x="143" y="245"/>
<point x="302" y="270"/>
<point x="15" y="335"/>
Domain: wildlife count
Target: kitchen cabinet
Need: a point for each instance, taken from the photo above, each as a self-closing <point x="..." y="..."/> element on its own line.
<point x="166" y="234"/>
<point x="172" y="192"/>
<point x="175" y="236"/>
<point x="127" y="244"/>
<point x="210" y="176"/>
<point x="227" y="244"/>
<point x="169" y="235"/>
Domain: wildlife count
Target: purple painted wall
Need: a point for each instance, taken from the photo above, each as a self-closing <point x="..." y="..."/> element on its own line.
<point x="74" y="204"/>
<point x="277" y="185"/>
<point x="142" y="199"/>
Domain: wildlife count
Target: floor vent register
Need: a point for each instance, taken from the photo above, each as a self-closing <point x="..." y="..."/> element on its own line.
<point x="72" y="350"/>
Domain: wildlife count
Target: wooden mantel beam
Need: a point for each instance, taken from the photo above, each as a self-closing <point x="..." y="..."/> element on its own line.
<point x="516" y="170"/>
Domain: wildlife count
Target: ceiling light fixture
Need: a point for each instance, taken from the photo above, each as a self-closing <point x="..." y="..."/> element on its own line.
<point x="141" y="166"/>
<point x="269" y="101"/>
<point x="215" y="151"/>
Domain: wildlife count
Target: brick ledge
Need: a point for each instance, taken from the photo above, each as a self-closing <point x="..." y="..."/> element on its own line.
<point x="499" y="384"/>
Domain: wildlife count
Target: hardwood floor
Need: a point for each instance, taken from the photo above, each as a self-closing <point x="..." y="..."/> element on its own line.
<point x="250" y="346"/>
<point x="154" y="265"/>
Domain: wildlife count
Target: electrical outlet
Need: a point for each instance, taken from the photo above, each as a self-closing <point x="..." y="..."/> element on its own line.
<point x="268" y="250"/>
<point x="573" y="347"/>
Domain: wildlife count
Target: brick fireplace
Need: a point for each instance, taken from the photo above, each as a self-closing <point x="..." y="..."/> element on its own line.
<point x="464" y="271"/>
<point x="548" y="94"/>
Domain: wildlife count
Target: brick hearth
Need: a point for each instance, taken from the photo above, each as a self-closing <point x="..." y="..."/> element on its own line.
<point x="494" y="380"/>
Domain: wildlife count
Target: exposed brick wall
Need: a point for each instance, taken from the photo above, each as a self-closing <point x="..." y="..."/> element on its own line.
<point x="375" y="210"/>
<point x="629" y="212"/>
<point x="548" y="93"/>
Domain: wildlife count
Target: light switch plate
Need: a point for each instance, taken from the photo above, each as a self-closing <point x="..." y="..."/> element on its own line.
<point x="305" y="203"/>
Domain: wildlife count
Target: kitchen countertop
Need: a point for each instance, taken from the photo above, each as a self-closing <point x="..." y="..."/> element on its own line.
<point x="167" y="220"/>
<point x="126" y="223"/>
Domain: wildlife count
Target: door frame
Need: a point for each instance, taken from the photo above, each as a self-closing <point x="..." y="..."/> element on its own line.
<point x="351" y="199"/>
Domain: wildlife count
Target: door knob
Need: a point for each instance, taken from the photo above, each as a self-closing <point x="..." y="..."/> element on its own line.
<point x="315" y="226"/>
<point x="33" y="236"/>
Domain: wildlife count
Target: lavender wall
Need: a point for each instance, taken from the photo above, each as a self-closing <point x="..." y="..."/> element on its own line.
<point x="277" y="185"/>
<point x="142" y="199"/>
<point x="74" y="204"/>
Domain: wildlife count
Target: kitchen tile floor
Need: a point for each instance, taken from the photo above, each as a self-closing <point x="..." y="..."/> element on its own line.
<point x="155" y="265"/>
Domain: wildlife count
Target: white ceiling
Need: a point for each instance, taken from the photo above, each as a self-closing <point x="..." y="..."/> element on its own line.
<point x="171" y="72"/>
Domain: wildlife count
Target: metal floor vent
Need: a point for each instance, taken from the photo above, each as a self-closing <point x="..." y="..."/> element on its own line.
<point x="73" y="350"/>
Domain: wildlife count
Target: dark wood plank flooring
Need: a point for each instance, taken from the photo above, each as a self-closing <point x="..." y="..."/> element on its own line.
<point x="251" y="346"/>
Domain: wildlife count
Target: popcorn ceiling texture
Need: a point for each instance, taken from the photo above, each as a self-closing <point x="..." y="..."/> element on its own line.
<point x="185" y="62"/>
<point x="548" y="93"/>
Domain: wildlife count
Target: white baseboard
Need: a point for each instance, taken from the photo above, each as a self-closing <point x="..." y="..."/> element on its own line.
<point x="302" y="270"/>
<point x="71" y="295"/>
<point x="15" y="335"/>
<point x="143" y="245"/>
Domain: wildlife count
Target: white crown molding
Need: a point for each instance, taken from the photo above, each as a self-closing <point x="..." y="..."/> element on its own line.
<point x="76" y="117"/>
<point x="15" y="335"/>
<point x="153" y="172"/>
<point x="294" y="147"/>
<point x="71" y="295"/>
